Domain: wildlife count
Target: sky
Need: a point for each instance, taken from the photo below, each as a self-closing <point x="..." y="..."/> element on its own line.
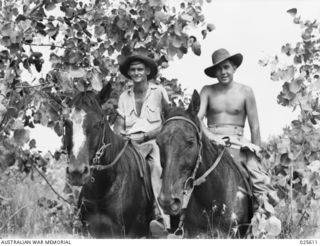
<point x="255" y="28"/>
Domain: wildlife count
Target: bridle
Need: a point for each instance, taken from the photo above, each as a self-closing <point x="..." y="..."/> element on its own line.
<point x="101" y="150"/>
<point x="191" y="182"/>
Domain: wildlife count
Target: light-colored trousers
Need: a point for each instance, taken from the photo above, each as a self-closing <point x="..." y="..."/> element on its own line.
<point x="261" y="182"/>
<point x="153" y="159"/>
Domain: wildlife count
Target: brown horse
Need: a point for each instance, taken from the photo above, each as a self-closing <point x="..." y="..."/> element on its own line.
<point x="114" y="200"/>
<point x="200" y="181"/>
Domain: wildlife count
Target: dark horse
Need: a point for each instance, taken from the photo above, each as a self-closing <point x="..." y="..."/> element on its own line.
<point x="219" y="204"/>
<point x="114" y="201"/>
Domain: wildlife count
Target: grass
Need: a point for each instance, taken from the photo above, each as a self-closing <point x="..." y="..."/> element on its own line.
<point x="30" y="209"/>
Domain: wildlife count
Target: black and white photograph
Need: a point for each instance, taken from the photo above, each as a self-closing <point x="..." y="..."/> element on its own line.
<point x="159" y="119"/>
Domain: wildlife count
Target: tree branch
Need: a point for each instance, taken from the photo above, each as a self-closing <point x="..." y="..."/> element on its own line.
<point x="51" y="187"/>
<point x="33" y="86"/>
<point x="49" y="45"/>
<point x="5" y="198"/>
<point x="5" y="118"/>
<point x="36" y="7"/>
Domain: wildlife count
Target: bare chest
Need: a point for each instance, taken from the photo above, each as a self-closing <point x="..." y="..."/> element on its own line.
<point x="232" y="103"/>
<point x="139" y="100"/>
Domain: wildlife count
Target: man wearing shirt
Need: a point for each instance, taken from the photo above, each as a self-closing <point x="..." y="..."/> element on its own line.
<point x="140" y="108"/>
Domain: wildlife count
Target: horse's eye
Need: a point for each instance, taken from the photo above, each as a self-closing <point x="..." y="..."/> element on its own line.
<point x="158" y="142"/>
<point x="190" y="142"/>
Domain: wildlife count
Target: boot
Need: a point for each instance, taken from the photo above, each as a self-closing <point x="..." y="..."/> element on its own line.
<point x="158" y="229"/>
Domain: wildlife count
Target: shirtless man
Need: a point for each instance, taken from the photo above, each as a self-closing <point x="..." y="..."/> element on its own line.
<point x="227" y="104"/>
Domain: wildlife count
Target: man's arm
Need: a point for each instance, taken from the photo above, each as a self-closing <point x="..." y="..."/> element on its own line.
<point x="252" y="114"/>
<point x="204" y="96"/>
<point x="203" y="103"/>
<point x="152" y="134"/>
<point x="118" y="127"/>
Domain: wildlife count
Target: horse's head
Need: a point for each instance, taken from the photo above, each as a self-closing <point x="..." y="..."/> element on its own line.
<point x="82" y="133"/>
<point x="180" y="145"/>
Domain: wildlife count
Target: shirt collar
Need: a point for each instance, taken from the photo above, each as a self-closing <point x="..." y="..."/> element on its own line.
<point x="151" y="87"/>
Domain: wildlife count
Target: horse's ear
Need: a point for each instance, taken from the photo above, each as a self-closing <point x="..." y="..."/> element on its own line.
<point x="194" y="105"/>
<point x="104" y="94"/>
<point x="165" y="108"/>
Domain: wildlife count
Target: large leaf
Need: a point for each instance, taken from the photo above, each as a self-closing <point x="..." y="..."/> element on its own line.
<point x="283" y="145"/>
<point x="292" y="11"/>
<point x="288" y="73"/>
<point x="296" y="84"/>
<point x="160" y="16"/>
<point x="316" y="84"/>
<point x="96" y="81"/>
<point x="196" y="48"/>
<point x="75" y="57"/>
<point x="314" y="166"/>
<point x="273" y="227"/>
<point x="99" y="30"/>
<point x="157" y="3"/>
<point x="210" y="27"/>
<point x="6" y="29"/>
<point x="21" y="136"/>
<point x="50" y="6"/>
<point x="54" y="59"/>
<point x="176" y="41"/>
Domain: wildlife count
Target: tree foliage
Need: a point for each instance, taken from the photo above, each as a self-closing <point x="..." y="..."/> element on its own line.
<point x="86" y="40"/>
<point x="294" y="156"/>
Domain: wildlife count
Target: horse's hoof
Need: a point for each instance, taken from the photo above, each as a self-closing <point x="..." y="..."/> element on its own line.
<point x="158" y="230"/>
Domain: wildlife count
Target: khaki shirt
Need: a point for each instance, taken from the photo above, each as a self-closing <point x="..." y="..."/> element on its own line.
<point x="150" y="117"/>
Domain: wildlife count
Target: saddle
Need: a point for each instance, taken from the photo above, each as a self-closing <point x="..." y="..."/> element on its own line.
<point x="240" y="165"/>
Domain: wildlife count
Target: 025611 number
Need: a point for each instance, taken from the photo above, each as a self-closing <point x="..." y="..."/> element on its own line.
<point x="308" y="241"/>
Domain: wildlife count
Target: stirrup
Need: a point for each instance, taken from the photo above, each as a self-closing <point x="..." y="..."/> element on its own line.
<point x="178" y="234"/>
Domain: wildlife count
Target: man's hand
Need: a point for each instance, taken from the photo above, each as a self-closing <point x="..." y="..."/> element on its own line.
<point x="136" y="137"/>
<point x="139" y="140"/>
<point x="253" y="148"/>
<point x="216" y="140"/>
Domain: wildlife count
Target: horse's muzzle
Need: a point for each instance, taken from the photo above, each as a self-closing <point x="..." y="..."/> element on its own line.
<point x="77" y="177"/>
<point x="170" y="204"/>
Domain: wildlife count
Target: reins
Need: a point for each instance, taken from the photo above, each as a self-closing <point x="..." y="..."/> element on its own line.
<point x="96" y="160"/>
<point x="191" y="182"/>
<point x="101" y="150"/>
<point x="114" y="162"/>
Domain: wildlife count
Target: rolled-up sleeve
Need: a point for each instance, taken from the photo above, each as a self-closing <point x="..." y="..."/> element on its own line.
<point x="121" y="107"/>
<point x="164" y="94"/>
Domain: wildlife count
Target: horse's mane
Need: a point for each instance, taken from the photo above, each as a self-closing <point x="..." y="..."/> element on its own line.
<point x="179" y="111"/>
<point x="86" y="101"/>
